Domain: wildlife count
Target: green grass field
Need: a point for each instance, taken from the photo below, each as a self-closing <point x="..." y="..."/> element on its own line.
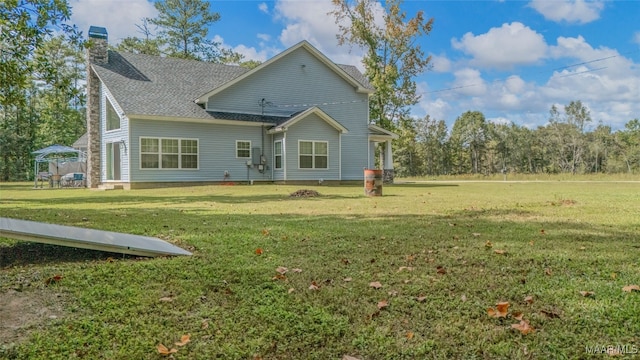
<point x="442" y="253"/>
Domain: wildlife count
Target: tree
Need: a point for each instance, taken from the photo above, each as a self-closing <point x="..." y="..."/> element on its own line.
<point x="408" y="157"/>
<point x="184" y="26"/>
<point x="24" y="27"/>
<point x="392" y="58"/>
<point x="432" y="136"/>
<point x="148" y="45"/>
<point x="469" y="133"/>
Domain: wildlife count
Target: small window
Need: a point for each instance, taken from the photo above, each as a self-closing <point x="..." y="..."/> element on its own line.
<point x="243" y="149"/>
<point x="277" y="153"/>
<point x="313" y="154"/>
<point x="113" y="120"/>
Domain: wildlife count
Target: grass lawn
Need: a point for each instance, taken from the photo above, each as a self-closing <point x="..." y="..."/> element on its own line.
<point x="409" y="275"/>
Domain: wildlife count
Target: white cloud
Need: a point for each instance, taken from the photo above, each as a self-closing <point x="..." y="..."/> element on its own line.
<point x="571" y="11"/>
<point x="469" y="82"/>
<point x="312" y="22"/>
<point x="119" y="17"/>
<point x="263" y="7"/>
<point x="264" y="37"/>
<point x="440" y="64"/>
<point x="249" y="53"/>
<point x="503" y="47"/>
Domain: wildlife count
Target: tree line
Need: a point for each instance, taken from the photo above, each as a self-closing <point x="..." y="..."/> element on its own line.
<point x="473" y="145"/>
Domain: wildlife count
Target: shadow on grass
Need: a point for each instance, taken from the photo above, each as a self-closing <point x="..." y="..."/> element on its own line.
<point x="412" y="184"/>
<point x="25" y="253"/>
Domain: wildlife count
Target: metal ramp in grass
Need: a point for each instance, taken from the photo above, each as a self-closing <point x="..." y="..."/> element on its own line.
<point x="87" y="238"/>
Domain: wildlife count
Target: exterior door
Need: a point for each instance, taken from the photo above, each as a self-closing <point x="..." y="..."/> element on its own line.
<point x="113" y="161"/>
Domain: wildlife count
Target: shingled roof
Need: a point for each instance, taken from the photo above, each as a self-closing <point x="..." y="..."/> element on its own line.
<point x="147" y="85"/>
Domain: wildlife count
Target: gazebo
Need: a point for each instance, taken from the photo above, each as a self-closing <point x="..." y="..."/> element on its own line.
<point x="59" y="156"/>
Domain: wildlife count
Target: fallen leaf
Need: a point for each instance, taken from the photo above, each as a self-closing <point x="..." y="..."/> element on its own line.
<point x="529" y="299"/>
<point x="475" y="234"/>
<point x="583" y="248"/>
<point x="296" y="270"/>
<point x="346" y="261"/>
<point x="542" y="231"/>
<point x="410" y="258"/>
<point x="393" y="293"/>
<point x="259" y="251"/>
<point x="279" y="277"/>
<point x="204" y="324"/>
<point x="314" y="286"/>
<point x="184" y="340"/>
<point x="630" y="288"/>
<point x="163" y="350"/>
<point x="166" y="299"/>
<point x="548" y="271"/>
<point x="53" y="279"/>
<point x="110" y="259"/>
<point x="291" y="290"/>
<point x="265" y="232"/>
<point x="347" y="279"/>
<point x="410" y="335"/>
<point x="531" y="243"/>
<point x="408" y="268"/>
<point x="440" y="270"/>
<point x="500" y="311"/>
<point x="452" y="224"/>
<point x="463" y="297"/>
<point x="375" y="284"/>
<point x="488" y="244"/>
<point x="523" y="327"/>
<point x="421" y="298"/>
<point x="382" y="304"/>
<point x="500" y="252"/>
<point x="281" y="270"/>
<point x="587" y="293"/>
<point x="517" y="315"/>
<point x="613" y="276"/>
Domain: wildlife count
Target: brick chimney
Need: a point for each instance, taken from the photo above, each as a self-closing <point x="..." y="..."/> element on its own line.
<point x="96" y="54"/>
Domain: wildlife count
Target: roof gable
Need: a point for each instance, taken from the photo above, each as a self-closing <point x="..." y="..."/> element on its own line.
<point x="346" y="72"/>
<point x="302" y="115"/>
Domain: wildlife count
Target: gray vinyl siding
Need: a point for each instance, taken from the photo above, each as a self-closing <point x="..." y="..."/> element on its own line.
<point x="312" y="128"/>
<point x="216" y="151"/>
<point x="299" y="88"/>
<point x="113" y="136"/>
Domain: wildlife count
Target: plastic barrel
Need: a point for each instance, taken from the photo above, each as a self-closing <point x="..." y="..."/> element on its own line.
<point x="373" y="182"/>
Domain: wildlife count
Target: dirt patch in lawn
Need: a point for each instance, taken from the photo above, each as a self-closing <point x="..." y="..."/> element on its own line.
<point x="24" y="311"/>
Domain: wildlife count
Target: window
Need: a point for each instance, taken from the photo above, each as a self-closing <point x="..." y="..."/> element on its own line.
<point x="277" y="154"/>
<point x="313" y="154"/>
<point x="243" y="149"/>
<point x="168" y="153"/>
<point x="113" y="120"/>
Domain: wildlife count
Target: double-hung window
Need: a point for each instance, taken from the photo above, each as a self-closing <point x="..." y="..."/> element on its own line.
<point x="243" y="149"/>
<point x="168" y="153"/>
<point x="313" y="154"/>
<point x="277" y="154"/>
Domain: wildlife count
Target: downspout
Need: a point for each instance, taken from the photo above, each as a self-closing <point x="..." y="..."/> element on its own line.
<point x="284" y="155"/>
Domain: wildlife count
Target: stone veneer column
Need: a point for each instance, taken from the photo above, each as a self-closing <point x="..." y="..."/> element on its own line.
<point x="96" y="54"/>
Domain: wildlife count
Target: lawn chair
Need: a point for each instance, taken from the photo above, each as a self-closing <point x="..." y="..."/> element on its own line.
<point x="78" y="180"/>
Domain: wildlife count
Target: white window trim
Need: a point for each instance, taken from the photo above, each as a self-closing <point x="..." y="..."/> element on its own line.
<point x="106" y="116"/>
<point x="281" y="155"/>
<point x="243" y="141"/>
<point x="179" y="168"/>
<point x="313" y="155"/>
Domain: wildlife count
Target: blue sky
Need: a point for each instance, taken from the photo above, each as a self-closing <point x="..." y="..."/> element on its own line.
<point x="511" y="60"/>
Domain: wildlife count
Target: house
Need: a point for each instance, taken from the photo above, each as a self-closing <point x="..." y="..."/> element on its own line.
<point x="155" y="121"/>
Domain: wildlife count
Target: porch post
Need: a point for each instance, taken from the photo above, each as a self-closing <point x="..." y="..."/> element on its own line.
<point x="388" y="173"/>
